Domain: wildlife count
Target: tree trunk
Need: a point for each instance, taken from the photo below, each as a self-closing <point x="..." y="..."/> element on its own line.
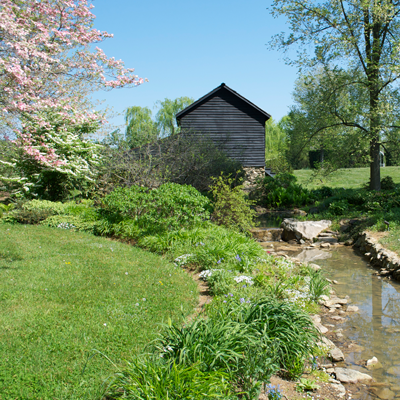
<point x="375" y="169"/>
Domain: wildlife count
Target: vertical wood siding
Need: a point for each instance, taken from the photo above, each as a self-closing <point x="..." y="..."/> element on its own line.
<point x="231" y="123"/>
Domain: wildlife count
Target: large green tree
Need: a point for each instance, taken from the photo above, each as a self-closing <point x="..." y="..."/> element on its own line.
<point x="166" y="115"/>
<point x="140" y="127"/>
<point x="361" y="37"/>
<point x="324" y="104"/>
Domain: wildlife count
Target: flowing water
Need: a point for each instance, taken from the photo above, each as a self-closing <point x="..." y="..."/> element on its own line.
<point x="375" y="329"/>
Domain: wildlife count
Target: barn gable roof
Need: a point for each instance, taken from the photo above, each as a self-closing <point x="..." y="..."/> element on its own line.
<point x="214" y="92"/>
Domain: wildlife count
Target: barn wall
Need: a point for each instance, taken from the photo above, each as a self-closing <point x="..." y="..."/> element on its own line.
<point x="231" y="123"/>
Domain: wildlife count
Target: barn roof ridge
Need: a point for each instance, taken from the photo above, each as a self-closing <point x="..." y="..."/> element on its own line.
<point x="222" y="86"/>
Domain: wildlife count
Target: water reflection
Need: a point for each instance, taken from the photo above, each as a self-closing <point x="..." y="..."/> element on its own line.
<point x="268" y="221"/>
<point x="376" y="327"/>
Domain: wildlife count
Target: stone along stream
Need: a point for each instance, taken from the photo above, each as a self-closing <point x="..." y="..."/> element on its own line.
<point x="374" y="331"/>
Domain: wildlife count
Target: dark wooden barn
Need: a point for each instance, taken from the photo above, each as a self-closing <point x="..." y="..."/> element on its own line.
<point x="232" y="122"/>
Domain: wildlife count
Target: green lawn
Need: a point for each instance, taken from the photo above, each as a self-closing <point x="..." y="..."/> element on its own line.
<point x="65" y="296"/>
<point x="348" y="178"/>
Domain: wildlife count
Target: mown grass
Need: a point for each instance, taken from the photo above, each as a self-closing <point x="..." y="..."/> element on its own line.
<point x="348" y="178"/>
<point x="66" y="296"/>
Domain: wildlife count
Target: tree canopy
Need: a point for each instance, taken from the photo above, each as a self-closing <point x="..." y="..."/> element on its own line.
<point x="47" y="67"/>
<point x="356" y="43"/>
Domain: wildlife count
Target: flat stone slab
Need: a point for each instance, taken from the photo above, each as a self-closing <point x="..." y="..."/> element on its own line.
<point x="347" y="375"/>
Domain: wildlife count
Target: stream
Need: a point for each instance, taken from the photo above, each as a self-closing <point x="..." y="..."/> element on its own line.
<point x="374" y="331"/>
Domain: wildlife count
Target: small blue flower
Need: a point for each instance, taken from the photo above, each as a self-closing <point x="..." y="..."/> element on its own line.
<point x="244" y="286"/>
<point x="224" y="301"/>
<point x="242" y="300"/>
<point x="230" y="294"/>
<point x="238" y="257"/>
<point x="219" y="262"/>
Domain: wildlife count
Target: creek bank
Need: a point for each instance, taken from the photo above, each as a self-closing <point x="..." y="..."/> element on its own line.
<point x="387" y="261"/>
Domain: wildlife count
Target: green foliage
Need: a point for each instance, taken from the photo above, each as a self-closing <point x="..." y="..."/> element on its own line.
<point x="339" y="207"/>
<point x="140" y="128"/>
<point x="292" y="331"/>
<point x="279" y="164"/>
<point x="305" y="385"/>
<point x="208" y="244"/>
<point x="169" y="207"/>
<point x="281" y="191"/>
<point x="387" y="183"/>
<point x="74" y="222"/>
<point x="157" y="379"/>
<point x="318" y="285"/>
<point x="231" y="207"/>
<point x="220" y="281"/>
<point x="166" y="115"/>
<point x="237" y="348"/>
<point x="177" y="158"/>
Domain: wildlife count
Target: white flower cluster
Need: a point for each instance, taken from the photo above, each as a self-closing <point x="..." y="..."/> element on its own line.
<point x="207" y="273"/>
<point x="182" y="260"/>
<point x="66" y="225"/>
<point x="244" y="278"/>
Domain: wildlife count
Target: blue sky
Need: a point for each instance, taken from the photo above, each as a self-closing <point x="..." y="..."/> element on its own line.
<point x="187" y="48"/>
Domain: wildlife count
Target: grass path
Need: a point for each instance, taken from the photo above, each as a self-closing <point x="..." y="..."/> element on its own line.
<point x="65" y="296"/>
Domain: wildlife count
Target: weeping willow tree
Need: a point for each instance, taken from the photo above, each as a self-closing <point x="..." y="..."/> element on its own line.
<point x="276" y="145"/>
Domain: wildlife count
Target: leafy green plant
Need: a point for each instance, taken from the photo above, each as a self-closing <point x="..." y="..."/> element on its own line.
<point x="169" y="207"/>
<point x="231" y="207"/>
<point x="237" y="348"/>
<point x="158" y="379"/>
<point x="305" y="385"/>
<point x="291" y="330"/>
<point x="387" y="183"/>
<point x="220" y="281"/>
<point x="281" y="191"/>
<point x="339" y="207"/>
<point x="77" y="223"/>
<point x="318" y="285"/>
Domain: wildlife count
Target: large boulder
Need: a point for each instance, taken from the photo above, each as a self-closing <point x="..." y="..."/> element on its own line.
<point x="306" y="230"/>
<point x="346" y="375"/>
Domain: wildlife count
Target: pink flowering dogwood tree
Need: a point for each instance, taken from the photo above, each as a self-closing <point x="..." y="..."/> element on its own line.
<point x="47" y="68"/>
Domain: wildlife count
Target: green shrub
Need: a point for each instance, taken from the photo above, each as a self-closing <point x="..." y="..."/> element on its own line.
<point x="387" y="183"/>
<point x="281" y="191"/>
<point x="322" y="192"/>
<point x="169" y="207"/>
<point x="339" y="207"/>
<point x="154" y="379"/>
<point x="231" y="207"/>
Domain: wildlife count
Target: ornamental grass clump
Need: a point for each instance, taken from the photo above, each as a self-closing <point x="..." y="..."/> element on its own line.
<point x="291" y="330"/>
<point x="159" y="379"/>
<point x="213" y="345"/>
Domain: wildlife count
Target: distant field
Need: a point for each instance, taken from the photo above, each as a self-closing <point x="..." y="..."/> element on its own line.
<point x="348" y="178"/>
